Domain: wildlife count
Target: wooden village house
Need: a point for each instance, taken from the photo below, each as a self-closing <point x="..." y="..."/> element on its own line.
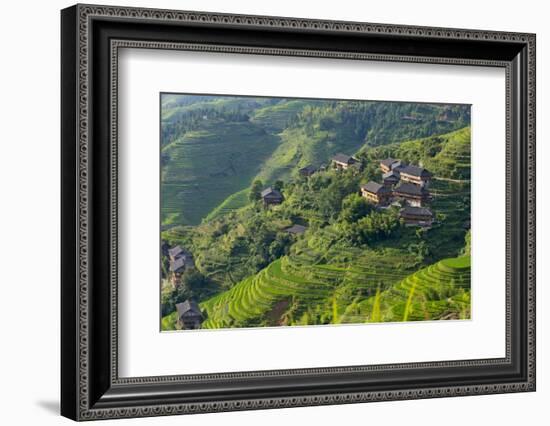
<point x="189" y="315"/>
<point x="416" y="216"/>
<point x="180" y="261"/>
<point x="390" y="164"/>
<point x="271" y="196"/>
<point x="416" y="175"/>
<point x="376" y="193"/>
<point x="343" y="161"/>
<point x="413" y="195"/>
<point x="307" y="171"/>
<point x="391" y="178"/>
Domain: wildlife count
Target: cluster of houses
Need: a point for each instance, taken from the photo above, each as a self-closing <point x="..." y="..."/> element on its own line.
<point x="406" y="184"/>
<point x="189" y="314"/>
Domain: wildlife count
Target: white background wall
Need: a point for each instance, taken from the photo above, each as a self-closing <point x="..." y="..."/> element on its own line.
<point x="29" y="212"/>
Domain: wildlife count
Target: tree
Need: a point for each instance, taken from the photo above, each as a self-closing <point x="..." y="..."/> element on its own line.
<point x="354" y="207"/>
<point x="278" y="185"/>
<point x="255" y="190"/>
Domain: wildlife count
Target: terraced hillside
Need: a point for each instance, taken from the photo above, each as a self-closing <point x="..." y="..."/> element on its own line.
<point x="295" y="291"/>
<point x="440" y="291"/>
<point x="204" y="166"/>
<point x="445" y="155"/>
<point x="298" y="290"/>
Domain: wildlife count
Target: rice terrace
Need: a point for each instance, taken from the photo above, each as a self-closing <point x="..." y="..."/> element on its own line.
<point x="296" y="212"/>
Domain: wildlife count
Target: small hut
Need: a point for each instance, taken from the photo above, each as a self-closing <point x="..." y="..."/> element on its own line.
<point x="414" y="195"/>
<point x="419" y="216"/>
<point x="307" y="171"/>
<point x="271" y="196"/>
<point x="189" y="315"/>
<point x="343" y="161"/>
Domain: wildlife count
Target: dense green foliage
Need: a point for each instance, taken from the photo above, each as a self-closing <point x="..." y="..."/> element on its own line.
<point x="354" y="263"/>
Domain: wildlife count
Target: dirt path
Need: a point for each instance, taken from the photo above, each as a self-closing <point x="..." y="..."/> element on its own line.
<point x="452" y="180"/>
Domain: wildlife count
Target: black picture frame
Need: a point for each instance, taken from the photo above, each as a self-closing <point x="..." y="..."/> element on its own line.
<point x="90" y="386"/>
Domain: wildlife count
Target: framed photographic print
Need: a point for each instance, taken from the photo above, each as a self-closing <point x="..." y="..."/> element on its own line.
<point x="263" y="212"/>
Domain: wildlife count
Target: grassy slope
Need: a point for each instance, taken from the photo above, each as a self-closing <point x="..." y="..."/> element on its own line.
<point x="207" y="165"/>
<point x="298" y="149"/>
<point x="447" y="155"/>
<point x="275" y="118"/>
<point x="173" y="106"/>
<point x="221" y="157"/>
<point x="233" y="202"/>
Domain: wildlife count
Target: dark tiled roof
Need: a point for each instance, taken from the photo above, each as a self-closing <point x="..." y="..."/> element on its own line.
<point x="415" y="211"/>
<point x="296" y="229"/>
<point x="388" y="162"/>
<point x="271" y="192"/>
<point x="175" y="251"/>
<point x="343" y="158"/>
<point x="410" y="189"/>
<point x="374" y="188"/>
<point x="398" y="165"/>
<point x="177" y="264"/>
<point x="415" y="171"/>
<point x="391" y="174"/>
<point x="188" y="305"/>
<point x="309" y="169"/>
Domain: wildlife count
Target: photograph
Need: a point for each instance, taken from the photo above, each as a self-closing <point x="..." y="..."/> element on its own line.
<point x="280" y="211"/>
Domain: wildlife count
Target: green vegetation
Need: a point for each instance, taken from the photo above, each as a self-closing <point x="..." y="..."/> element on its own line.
<point x="233" y="202"/>
<point x="203" y="167"/>
<point x="447" y="156"/>
<point x="215" y="146"/>
<point x="355" y="262"/>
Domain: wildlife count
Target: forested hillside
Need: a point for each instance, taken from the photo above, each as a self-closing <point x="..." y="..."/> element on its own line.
<point x="214" y="147"/>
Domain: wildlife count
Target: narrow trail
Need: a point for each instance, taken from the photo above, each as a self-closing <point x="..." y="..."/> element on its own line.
<point x="452" y="180"/>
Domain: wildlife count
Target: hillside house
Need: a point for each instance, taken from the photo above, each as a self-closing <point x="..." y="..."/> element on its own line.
<point x="412" y="194"/>
<point x="189" y="315"/>
<point x="416" y="216"/>
<point x="180" y="261"/>
<point x="416" y="175"/>
<point x="307" y="171"/>
<point x="376" y="193"/>
<point x="175" y="252"/>
<point x="343" y="161"/>
<point x="271" y="196"/>
<point x="391" y="178"/>
<point x="296" y="229"/>
<point x="389" y="164"/>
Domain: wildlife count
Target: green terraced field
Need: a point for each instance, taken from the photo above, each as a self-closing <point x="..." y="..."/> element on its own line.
<point x="295" y="291"/>
<point x="231" y="203"/>
<point x="276" y="117"/>
<point x="206" y="166"/>
<point x="440" y="291"/>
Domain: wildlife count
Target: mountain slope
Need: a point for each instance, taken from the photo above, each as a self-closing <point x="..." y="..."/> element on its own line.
<point x="204" y="166"/>
<point x="213" y="147"/>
